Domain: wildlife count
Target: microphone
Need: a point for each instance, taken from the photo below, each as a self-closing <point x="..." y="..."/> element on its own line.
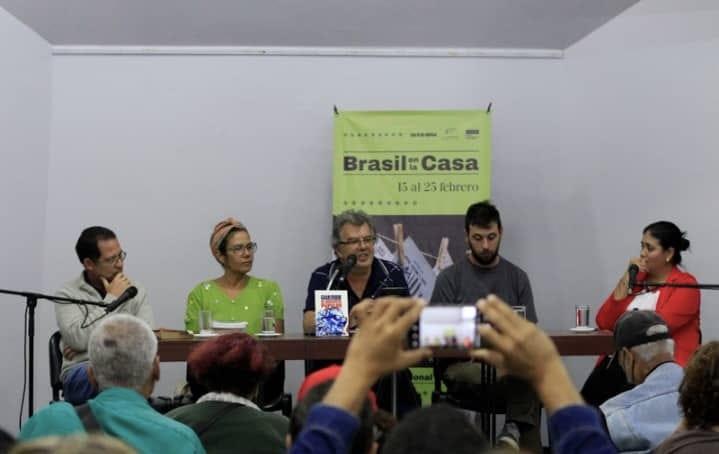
<point x="347" y="267"/>
<point x="344" y="269"/>
<point x="128" y="294"/>
<point x="633" y="270"/>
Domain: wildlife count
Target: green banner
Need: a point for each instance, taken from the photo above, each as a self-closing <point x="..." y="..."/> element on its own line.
<point x="423" y="381"/>
<point x="411" y="162"/>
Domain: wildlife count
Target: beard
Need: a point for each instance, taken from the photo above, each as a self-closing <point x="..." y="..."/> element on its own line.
<point x="486" y="258"/>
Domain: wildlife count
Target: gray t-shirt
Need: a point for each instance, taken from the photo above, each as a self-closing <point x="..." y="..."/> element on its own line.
<point x="465" y="283"/>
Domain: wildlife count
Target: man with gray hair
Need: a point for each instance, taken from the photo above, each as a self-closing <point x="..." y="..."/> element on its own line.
<point x="641" y="418"/>
<point x="124" y="366"/>
<point x="363" y="276"/>
<point x="353" y="235"/>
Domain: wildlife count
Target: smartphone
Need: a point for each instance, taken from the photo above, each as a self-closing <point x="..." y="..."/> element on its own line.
<point x="446" y="326"/>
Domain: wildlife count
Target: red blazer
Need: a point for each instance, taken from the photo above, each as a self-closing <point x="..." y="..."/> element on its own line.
<point x="679" y="307"/>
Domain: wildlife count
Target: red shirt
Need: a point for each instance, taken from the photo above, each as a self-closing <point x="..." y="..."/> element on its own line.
<point x="679" y="307"/>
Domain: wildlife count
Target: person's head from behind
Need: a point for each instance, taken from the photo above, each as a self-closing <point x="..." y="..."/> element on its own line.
<point x="100" y="253"/>
<point x="232" y="246"/>
<point x="313" y="391"/>
<point x="642" y="342"/>
<point x="699" y="390"/>
<point x="483" y="227"/>
<point x="123" y="354"/>
<point x="73" y="444"/>
<point x="234" y="363"/>
<point x="363" y="442"/>
<point x="435" y="430"/>
<point x="662" y="245"/>
<point x="353" y="233"/>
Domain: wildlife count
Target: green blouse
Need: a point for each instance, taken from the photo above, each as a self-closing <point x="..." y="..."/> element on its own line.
<point x="248" y="306"/>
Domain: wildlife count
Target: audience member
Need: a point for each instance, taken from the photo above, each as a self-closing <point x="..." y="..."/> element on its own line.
<point x="102" y="279"/>
<point x="363" y="441"/>
<point x="698" y="432"/>
<point x="231" y="368"/>
<point x="641" y="418"/>
<point x="124" y="366"/>
<point x="74" y="444"/>
<point x="519" y="347"/>
<point x="435" y="430"/>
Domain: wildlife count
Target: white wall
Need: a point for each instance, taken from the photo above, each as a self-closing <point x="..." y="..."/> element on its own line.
<point x="170" y="145"/>
<point x="587" y="151"/>
<point x="24" y="138"/>
<point x="639" y="144"/>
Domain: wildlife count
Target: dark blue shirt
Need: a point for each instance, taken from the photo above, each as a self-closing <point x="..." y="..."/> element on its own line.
<point x="384" y="274"/>
<point x="573" y="429"/>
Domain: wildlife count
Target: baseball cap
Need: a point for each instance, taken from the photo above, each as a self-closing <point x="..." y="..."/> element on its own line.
<point x="324" y="375"/>
<point x="639" y="327"/>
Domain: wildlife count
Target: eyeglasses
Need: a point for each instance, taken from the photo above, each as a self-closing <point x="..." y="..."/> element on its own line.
<point x="357" y="241"/>
<point x="249" y="247"/>
<point x="115" y="258"/>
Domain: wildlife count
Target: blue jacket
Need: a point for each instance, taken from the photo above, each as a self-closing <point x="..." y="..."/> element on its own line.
<point x="641" y="418"/>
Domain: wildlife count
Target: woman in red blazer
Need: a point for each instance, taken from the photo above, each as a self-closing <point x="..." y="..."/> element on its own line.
<point x="659" y="260"/>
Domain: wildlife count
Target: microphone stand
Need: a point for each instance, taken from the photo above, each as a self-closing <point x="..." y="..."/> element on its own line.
<point x="31" y="299"/>
<point x="645" y="285"/>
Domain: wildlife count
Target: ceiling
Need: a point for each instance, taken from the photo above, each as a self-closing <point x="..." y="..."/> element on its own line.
<point x="504" y="24"/>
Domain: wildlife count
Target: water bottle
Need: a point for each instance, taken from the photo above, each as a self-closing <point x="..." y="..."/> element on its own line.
<point x="268" y="319"/>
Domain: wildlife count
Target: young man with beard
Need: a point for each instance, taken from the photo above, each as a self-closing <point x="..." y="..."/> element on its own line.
<point x="482" y="272"/>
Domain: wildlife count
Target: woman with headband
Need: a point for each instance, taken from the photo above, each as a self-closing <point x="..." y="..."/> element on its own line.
<point x="235" y="296"/>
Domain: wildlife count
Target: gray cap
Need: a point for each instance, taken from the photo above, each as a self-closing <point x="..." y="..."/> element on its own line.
<point x="639" y="327"/>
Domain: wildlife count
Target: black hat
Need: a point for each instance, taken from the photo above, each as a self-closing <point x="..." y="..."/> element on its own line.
<point x="639" y="327"/>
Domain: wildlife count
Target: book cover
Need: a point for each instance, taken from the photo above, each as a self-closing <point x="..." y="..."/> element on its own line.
<point x="331" y="313"/>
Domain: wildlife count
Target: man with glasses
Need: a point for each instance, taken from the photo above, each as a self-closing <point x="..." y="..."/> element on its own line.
<point x="102" y="279"/>
<point x="352" y="234"/>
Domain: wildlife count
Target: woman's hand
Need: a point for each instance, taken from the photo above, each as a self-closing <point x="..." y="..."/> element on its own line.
<point x="622" y="289"/>
<point x="640" y="262"/>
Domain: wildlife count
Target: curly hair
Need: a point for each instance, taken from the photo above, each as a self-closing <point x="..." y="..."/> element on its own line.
<point x="699" y="390"/>
<point x="234" y="363"/>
